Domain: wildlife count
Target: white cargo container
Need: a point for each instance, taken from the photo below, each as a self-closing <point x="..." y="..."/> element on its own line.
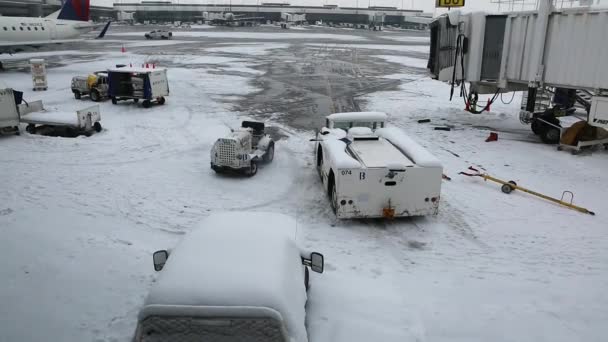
<point x="9" y="116"/>
<point x="38" y="69"/>
<point x="370" y="170"/>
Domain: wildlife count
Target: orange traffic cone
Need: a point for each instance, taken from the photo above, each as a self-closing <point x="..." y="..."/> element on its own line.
<point x="488" y="105"/>
<point x="467" y="106"/>
<point x="123" y="49"/>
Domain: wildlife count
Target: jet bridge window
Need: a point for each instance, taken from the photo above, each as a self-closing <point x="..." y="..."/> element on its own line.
<point x="35" y="28"/>
<point x="29" y="28"/>
<point x="21" y="28"/>
<point x="42" y="28"/>
<point x="5" y="28"/>
<point x="14" y="29"/>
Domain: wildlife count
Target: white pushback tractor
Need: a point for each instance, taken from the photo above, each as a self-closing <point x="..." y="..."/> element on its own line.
<point x="373" y="171"/>
<point x="243" y="149"/>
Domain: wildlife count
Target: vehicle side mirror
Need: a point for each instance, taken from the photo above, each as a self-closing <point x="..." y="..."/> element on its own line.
<point x="316" y="262"/>
<point x="160" y="258"/>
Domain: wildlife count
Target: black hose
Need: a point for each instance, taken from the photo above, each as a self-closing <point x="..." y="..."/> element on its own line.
<point x="463" y="88"/>
<point x="503" y="101"/>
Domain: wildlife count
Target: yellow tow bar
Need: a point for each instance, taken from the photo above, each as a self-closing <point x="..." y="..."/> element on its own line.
<point x="508" y="187"/>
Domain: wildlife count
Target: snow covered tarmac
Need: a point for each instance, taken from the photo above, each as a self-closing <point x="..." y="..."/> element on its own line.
<point x="80" y="217"/>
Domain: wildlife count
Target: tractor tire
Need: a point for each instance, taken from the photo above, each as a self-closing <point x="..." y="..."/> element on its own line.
<point x="161" y="100"/>
<point x="269" y="155"/>
<point x="135" y="100"/>
<point x="536" y="127"/>
<point x="95" y="97"/>
<point x="334" y="198"/>
<point x="550" y="135"/>
<point x="77" y="95"/>
<point x="97" y="127"/>
<point x="31" y="129"/>
<point x="146" y="104"/>
<point x="114" y="101"/>
<point x="253" y="169"/>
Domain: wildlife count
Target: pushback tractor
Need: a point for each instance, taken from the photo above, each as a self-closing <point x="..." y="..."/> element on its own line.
<point x="243" y="149"/>
<point x="372" y="171"/>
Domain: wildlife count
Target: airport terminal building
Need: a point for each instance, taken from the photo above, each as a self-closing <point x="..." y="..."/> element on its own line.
<point x="167" y="11"/>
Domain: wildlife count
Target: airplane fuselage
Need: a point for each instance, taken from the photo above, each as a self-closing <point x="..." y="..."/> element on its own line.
<point x="16" y="32"/>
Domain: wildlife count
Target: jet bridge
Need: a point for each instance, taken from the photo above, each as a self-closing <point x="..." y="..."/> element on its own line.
<point x="537" y="51"/>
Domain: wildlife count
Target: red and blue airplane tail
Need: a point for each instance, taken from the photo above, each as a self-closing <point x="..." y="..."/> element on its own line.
<point x="75" y="10"/>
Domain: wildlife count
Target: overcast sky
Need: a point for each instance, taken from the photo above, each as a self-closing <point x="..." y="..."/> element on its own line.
<point x="425" y="5"/>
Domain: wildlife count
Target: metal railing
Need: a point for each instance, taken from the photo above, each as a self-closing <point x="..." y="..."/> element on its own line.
<point x="530" y="5"/>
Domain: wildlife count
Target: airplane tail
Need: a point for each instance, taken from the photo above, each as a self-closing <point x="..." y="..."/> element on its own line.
<point x="78" y="10"/>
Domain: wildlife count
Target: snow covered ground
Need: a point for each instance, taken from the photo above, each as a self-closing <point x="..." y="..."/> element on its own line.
<point x="80" y="217"/>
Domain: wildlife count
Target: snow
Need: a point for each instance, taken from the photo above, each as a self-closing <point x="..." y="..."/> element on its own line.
<point x="406" y="61"/>
<point x="380" y="153"/>
<point x="409" y="39"/>
<point x="253" y="35"/>
<point x="401" y="48"/>
<point x="136" y="70"/>
<point x="336" y="151"/>
<point x="359" y="131"/>
<point x="228" y="250"/>
<point x="358" y="116"/>
<point x="255" y="50"/>
<point x="411" y="148"/>
<point x="202" y="27"/>
<point x="81" y="217"/>
<point x="49" y="117"/>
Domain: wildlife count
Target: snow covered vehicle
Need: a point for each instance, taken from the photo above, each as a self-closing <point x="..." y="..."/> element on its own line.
<point x="238" y="277"/>
<point x="128" y="83"/>
<point x="9" y="115"/>
<point x="159" y="34"/>
<point x="370" y="170"/>
<point x="65" y="123"/>
<point x="94" y="85"/>
<point x="243" y="149"/>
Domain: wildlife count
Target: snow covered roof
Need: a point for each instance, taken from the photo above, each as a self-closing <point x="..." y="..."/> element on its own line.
<point x="380" y="153"/>
<point x="371" y="116"/>
<point x="336" y="151"/>
<point x="412" y="149"/>
<point x="359" y="131"/>
<point x="135" y="70"/>
<point x="235" y="259"/>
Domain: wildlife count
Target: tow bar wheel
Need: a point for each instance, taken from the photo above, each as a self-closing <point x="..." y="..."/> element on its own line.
<point x="507" y="188"/>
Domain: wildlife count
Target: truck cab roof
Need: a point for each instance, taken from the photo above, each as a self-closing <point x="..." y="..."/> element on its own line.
<point x="235" y="262"/>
